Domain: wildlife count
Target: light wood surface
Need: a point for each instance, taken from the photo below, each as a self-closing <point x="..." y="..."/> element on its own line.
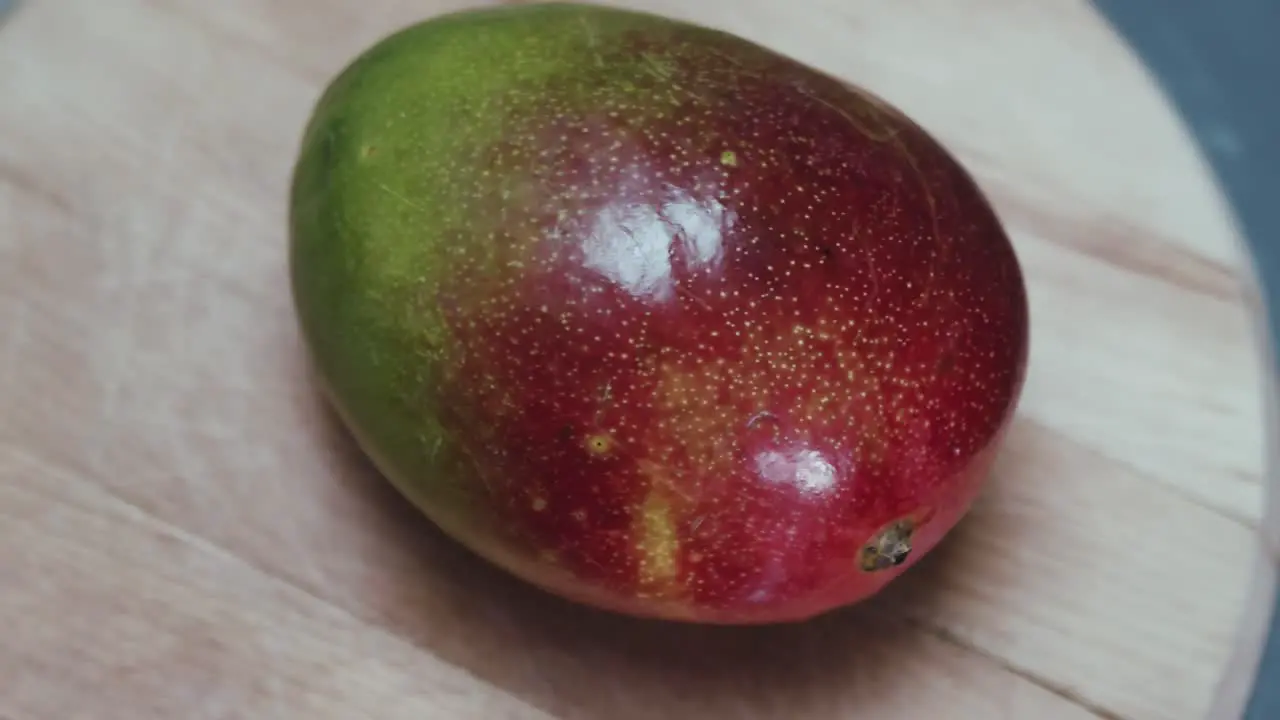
<point x="186" y="533"/>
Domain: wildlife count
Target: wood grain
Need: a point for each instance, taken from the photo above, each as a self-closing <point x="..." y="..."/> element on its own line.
<point x="188" y="533"/>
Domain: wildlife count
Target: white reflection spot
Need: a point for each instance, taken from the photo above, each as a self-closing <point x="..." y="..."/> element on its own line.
<point x="633" y="245"/>
<point x="807" y="469"/>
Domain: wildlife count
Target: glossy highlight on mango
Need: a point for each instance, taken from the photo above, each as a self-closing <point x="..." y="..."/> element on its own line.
<point x="651" y="316"/>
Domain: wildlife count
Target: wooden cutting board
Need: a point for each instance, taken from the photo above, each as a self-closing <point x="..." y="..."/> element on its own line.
<point x="186" y="533"/>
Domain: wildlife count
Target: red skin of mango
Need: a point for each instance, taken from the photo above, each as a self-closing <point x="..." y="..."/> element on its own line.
<point x="706" y="335"/>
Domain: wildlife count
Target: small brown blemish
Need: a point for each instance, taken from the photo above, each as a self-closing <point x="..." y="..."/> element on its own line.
<point x="947" y="362"/>
<point x="889" y="548"/>
<point x="566" y="432"/>
<point x="599" y="444"/>
<point x="368" y="151"/>
<point x="539" y="504"/>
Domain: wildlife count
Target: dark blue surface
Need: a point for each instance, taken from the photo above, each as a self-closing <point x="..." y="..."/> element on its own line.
<point x="1218" y="62"/>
